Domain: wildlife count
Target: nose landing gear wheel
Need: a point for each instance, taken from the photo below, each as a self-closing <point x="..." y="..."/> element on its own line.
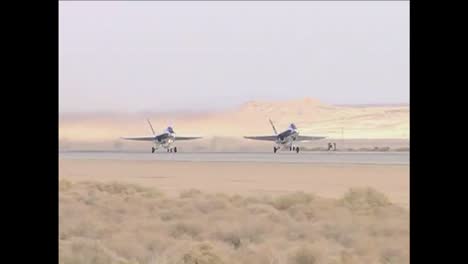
<point x="175" y="149"/>
<point x="275" y="149"/>
<point x="297" y="149"/>
<point x="152" y="150"/>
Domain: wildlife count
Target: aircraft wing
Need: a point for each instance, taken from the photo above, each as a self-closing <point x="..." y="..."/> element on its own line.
<point x="266" y="138"/>
<point x="146" y="138"/>
<point x="308" y="138"/>
<point x="186" y="138"/>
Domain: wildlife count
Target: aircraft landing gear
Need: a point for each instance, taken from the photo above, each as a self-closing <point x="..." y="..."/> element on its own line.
<point x="275" y="149"/>
<point x="297" y="149"/>
<point x="172" y="149"/>
<point x="152" y="149"/>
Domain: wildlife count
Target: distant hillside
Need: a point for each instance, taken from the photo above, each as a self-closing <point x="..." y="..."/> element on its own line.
<point x="310" y="115"/>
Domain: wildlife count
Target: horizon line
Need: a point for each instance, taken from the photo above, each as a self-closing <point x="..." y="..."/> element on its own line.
<point x="205" y="110"/>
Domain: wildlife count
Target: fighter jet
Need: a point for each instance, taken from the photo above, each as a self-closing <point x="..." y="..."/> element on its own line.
<point x="164" y="140"/>
<point x="285" y="140"/>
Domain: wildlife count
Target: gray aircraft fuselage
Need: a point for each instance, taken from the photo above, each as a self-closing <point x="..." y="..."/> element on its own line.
<point x="165" y="139"/>
<point x="286" y="138"/>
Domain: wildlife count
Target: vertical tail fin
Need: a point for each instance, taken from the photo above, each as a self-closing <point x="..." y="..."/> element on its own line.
<point x="273" y="126"/>
<point x="151" y="126"/>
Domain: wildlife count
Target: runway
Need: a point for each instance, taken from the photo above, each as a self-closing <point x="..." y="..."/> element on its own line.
<point x="386" y="158"/>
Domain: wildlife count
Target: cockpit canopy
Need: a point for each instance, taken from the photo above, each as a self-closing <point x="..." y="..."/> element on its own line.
<point x="292" y="126"/>
<point x="170" y="130"/>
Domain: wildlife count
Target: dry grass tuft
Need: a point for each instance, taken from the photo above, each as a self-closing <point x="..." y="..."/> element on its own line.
<point x="307" y="255"/>
<point x="364" y="199"/>
<point x="124" y="223"/>
<point x="201" y="254"/>
<point x="287" y="201"/>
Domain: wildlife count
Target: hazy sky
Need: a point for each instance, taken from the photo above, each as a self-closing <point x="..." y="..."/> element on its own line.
<point x="138" y="56"/>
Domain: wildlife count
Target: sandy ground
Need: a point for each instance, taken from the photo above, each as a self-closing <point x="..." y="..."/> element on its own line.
<point x="244" y="178"/>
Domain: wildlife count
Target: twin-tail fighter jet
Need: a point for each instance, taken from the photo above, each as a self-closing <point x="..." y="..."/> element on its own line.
<point x="164" y="140"/>
<point x="285" y="140"/>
